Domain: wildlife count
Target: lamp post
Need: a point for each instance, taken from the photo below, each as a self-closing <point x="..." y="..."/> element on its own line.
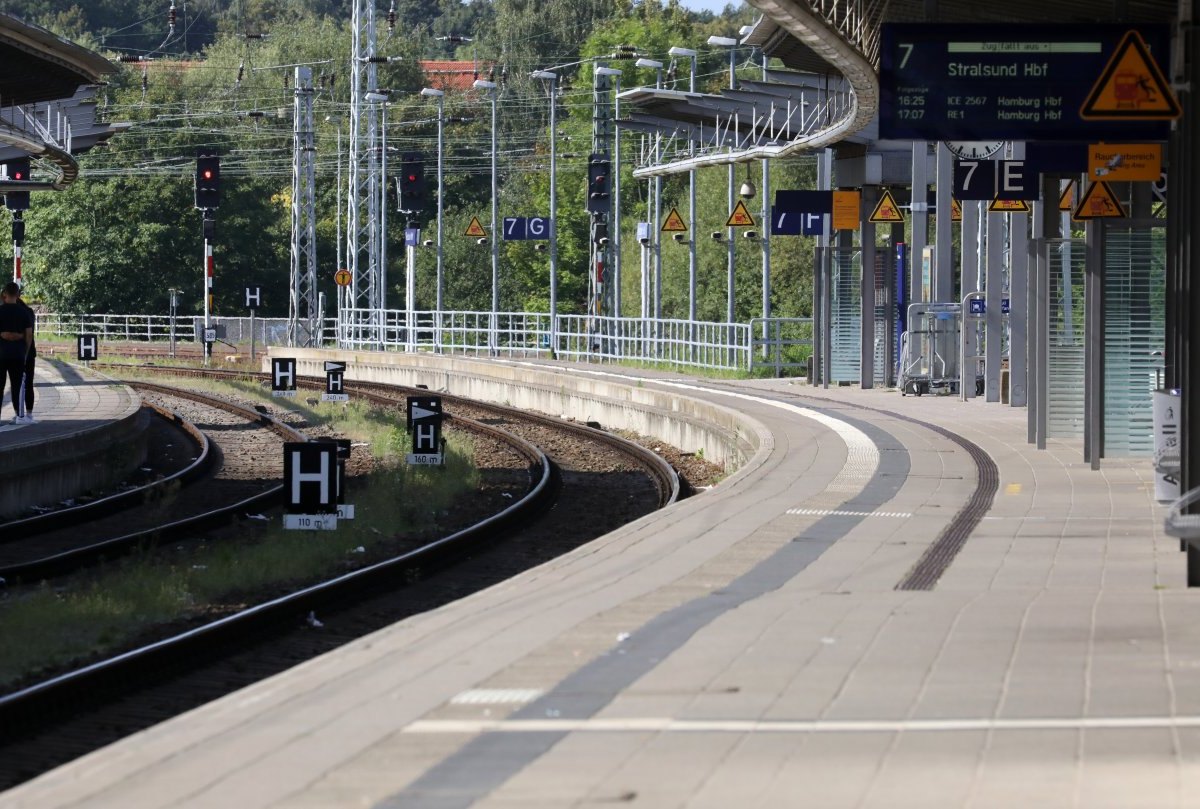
<point x="652" y="289"/>
<point x="657" y="195"/>
<point x="381" y="97"/>
<point x="691" y="54"/>
<point x="430" y="92"/>
<point x="731" y="44"/>
<point x="552" y="78"/>
<point x="615" y="74"/>
<point x="493" y="344"/>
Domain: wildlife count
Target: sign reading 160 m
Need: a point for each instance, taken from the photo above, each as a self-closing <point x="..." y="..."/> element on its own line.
<point x="1024" y="82"/>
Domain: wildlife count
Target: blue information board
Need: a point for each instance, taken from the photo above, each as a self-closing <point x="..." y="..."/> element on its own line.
<point x="984" y="82"/>
<point x="786" y="223"/>
<point x="526" y="228"/>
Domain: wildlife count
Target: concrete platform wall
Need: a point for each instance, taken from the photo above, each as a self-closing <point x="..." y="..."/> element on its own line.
<point x="725" y="436"/>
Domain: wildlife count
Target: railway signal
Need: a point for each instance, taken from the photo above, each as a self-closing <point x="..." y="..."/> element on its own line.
<point x="17" y="169"/>
<point x="208" y="181"/>
<point x="599" y="184"/>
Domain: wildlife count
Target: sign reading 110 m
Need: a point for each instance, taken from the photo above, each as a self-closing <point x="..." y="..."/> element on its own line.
<point x="1025" y="82"/>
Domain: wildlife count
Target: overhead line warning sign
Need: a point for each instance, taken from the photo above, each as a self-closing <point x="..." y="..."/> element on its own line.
<point x="1066" y="200"/>
<point x="475" y="228"/>
<point x="674" y="223"/>
<point x="740" y="218"/>
<point x="886" y="210"/>
<point x="1009" y="206"/>
<point x="1099" y="202"/>
<point x="1131" y="87"/>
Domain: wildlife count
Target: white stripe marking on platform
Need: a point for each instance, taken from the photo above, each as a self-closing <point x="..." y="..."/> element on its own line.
<point x="664" y="725"/>
<point x="827" y="512"/>
<point x="496" y="696"/>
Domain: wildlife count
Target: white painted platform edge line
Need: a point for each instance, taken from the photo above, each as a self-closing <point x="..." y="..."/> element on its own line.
<point x="665" y="725"/>
<point x="495" y="696"/>
<point x="826" y="512"/>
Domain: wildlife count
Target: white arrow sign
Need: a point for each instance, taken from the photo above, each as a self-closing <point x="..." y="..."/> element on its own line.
<point x="334" y="366"/>
<point x="421" y="413"/>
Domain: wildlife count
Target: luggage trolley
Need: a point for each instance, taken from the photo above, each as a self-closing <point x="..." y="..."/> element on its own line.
<point x="929" y="349"/>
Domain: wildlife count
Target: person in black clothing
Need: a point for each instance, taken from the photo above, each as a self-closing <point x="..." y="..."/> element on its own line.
<point x="30" y="357"/>
<point x="16" y="336"/>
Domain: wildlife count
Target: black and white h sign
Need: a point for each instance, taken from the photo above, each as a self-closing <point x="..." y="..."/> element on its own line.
<point x="87" y="347"/>
<point x="425" y="422"/>
<point x="283" y="376"/>
<point x="310" y="477"/>
<point x="253" y="297"/>
<point x="335" y="388"/>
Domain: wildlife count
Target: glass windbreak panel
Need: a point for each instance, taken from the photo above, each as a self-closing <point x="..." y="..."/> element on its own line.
<point x="1134" y="329"/>
<point x="1064" y="412"/>
<point x="846" y="316"/>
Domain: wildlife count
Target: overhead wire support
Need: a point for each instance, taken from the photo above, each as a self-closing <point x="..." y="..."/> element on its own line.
<point x="303" y="320"/>
<point x="363" y="236"/>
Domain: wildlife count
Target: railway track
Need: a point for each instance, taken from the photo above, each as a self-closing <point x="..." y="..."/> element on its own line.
<point x="222" y="482"/>
<point x="566" y="507"/>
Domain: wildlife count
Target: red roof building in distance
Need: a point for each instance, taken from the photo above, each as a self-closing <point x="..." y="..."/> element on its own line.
<point x="453" y="77"/>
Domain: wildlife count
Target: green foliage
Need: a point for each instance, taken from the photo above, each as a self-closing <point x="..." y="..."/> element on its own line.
<point x="126" y="231"/>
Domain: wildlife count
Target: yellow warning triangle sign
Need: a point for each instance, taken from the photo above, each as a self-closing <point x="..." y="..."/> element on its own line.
<point x="1099" y="202"/>
<point x="1009" y="206"/>
<point x="1066" y="200"/>
<point x="740" y="218"/>
<point x="955" y="210"/>
<point x="1131" y="87"/>
<point x="886" y="210"/>
<point x="674" y="223"/>
<point x="475" y="228"/>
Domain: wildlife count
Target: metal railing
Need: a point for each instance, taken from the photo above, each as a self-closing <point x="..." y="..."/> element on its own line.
<point x="783" y="345"/>
<point x="266" y="331"/>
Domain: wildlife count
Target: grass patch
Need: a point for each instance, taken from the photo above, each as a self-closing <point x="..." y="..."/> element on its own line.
<point x="49" y="627"/>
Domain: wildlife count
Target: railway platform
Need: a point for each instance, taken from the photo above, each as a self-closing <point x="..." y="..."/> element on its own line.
<point x="891" y="602"/>
<point x="89" y="432"/>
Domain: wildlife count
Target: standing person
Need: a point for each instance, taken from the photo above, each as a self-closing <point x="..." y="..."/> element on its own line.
<point x="16" y="335"/>
<point x="30" y="357"/>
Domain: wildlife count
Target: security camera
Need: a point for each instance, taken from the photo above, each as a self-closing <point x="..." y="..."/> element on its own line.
<point x="747" y="191"/>
<point x="603" y="240"/>
<point x="428" y="242"/>
<point x="716" y="235"/>
<point x="481" y="241"/>
<point x="750" y="234"/>
<point x="679" y="237"/>
<point x="644" y="242"/>
<point x="539" y="247"/>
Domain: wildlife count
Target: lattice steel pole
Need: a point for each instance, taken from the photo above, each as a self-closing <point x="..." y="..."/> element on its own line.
<point x="362" y="203"/>
<point x="302" y="302"/>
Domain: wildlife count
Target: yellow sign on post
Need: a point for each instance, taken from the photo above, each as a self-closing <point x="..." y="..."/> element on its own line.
<point x="674" y="223"/>
<point x="845" y="209"/>
<point x="886" y="210"/>
<point x="1066" y="200"/>
<point x="1009" y="206"/>
<point x="740" y="218"/>
<point x="475" y="228"/>
<point x="1113" y="162"/>
<point x="955" y="210"/>
<point x="342" y="278"/>
<point x="1131" y="87"/>
<point x="1099" y="202"/>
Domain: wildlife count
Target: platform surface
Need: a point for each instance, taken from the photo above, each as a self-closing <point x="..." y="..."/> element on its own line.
<point x="749" y="647"/>
<point x="68" y="400"/>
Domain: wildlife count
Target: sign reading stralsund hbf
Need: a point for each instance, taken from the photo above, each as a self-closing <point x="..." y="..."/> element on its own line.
<point x="1025" y="82"/>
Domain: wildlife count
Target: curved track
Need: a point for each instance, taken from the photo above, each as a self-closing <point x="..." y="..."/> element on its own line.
<point x="368" y="598"/>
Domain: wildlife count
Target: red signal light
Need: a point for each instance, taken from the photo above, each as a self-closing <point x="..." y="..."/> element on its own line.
<point x="18" y="175"/>
<point x="208" y="174"/>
